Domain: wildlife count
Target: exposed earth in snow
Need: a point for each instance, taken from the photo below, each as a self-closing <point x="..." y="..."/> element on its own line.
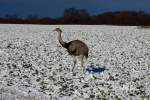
<point x="34" y="66"/>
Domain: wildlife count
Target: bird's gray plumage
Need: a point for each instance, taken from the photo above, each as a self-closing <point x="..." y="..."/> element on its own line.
<point x="75" y="47"/>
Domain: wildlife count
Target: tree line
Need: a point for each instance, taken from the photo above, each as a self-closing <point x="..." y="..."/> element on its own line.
<point x="82" y="17"/>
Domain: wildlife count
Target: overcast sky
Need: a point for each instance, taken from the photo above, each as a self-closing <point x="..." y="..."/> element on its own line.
<point x="55" y="8"/>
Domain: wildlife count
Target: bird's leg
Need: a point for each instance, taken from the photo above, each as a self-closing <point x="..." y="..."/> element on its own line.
<point x="74" y="61"/>
<point x="81" y="58"/>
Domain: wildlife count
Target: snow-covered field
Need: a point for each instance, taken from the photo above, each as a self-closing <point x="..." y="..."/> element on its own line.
<point x="34" y="66"/>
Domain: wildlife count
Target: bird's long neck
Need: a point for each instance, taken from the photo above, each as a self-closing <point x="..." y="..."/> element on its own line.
<point x="60" y="40"/>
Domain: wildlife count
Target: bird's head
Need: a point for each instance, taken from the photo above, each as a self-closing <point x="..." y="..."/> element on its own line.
<point x="58" y="30"/>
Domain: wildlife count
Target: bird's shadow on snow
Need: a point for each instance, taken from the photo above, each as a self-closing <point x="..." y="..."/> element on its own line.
<point x="96" y="69"/>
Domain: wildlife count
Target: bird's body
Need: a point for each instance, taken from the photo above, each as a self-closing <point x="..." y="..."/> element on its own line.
<point x="74" y="48"/>
<point x="77" y="47"/>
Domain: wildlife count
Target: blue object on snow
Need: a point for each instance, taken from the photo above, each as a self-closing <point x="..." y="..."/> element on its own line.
<point x="96" y="70"/>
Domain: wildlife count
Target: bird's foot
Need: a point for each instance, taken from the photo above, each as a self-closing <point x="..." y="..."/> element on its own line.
<point x="84" y="71"/>
<point x="74" y="74"/>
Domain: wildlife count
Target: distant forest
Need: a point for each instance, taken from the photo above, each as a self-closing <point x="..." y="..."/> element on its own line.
<point x="82" y="17"/>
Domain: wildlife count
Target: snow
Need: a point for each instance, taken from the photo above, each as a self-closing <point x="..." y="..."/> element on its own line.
<point x="33" y="65"/>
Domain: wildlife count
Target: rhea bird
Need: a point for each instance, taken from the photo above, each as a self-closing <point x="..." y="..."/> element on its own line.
<point x="74" y="48"/>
